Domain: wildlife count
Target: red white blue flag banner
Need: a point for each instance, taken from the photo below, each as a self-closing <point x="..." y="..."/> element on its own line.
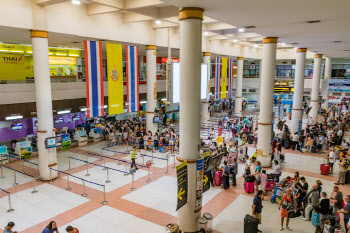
<point x="217" y="82"/>
<point x="94" y="79"/>
<point x="132" y="77"/>
<point x="230" y="78"/>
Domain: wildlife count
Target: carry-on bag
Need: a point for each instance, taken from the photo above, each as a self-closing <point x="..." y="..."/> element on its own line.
<point x="249" y="187"/>
<point x="250" y="224"/>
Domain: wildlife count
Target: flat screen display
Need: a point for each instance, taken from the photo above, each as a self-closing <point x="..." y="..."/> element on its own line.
<point x="50" y="142"/>
<point x="76" y="118"/>
<point x="16" y="126"/>
<point x="58" y="120"/>
<point x="36" y="124"/>
<point x="176" y="82"/>
<point x="156" y="119"/>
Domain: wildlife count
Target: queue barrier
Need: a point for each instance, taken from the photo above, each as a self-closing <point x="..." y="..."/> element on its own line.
<point x="9" y="198"/>
<point x="84" y="194"/>
<point x="23" y="160"/>
<point x="15" y="177"/>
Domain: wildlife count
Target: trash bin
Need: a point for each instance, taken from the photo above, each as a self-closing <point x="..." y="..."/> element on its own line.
<point x="209" y="218"/>
<point x="202" y="223"/>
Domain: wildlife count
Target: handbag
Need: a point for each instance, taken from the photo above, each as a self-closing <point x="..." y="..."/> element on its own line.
<point x="292" y="214"/>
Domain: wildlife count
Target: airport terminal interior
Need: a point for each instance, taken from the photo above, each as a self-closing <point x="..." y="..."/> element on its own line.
<point x="178" y="116"/>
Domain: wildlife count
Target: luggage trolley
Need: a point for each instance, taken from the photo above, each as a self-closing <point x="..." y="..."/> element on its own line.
<point x="242" y="152"/>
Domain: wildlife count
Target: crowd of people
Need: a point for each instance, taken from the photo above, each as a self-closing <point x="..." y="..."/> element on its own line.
<point x="50" y="228"/>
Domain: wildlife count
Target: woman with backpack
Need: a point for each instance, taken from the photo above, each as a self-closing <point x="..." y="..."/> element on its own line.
<point x="288" y="204"/>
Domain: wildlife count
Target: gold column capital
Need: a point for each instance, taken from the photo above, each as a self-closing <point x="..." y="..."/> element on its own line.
<point x="318" y="55"/>
<point x="270" y="40"/>
<point x="207" y="54"/>
<point x="191" y="13"/>
<point x="151" y="47"/>
<point x="39" y="33"/>
<point x="240" y="58"/>
<point x="302" y="50"/>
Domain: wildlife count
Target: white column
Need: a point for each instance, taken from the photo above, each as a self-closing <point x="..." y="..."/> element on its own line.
<point x="190" y="83"/>
<point x="315" y="88"/>
<point x="43" y="102"/>
<point x="151" y="55"/>
<point x="298" y="89"/>
<point x="239" y="86"/>
<point x="205" y="104"/>
<point x="327" y="75"/>
<point x="266" y="105"/>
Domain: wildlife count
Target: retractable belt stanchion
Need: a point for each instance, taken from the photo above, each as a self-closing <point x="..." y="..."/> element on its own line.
<point x="51" y="180"/>
<point x="104" y="195"/>
<point x="108" y="181"/>
<point x="143" y="159"/>
<point x="2" y="171"/>
<point x="15" y="178"/>
<point x="34" y="191"/>
<point x="23" y="166"/>
<point x="10" y="208"/>
<point x="132" y="182"/>
<point x="38" y="172"/>
<point x="152" y="157"/>
<point x="126" y="170"/>
<point x="167" y="165"/>
<point x="104" y="163"/>
<point x="149" y="179"/>
<point x="69" y="167"/>
<point x="87" y="169"/>
<point x="68" y="188"/>
<point x="84" y="193"/>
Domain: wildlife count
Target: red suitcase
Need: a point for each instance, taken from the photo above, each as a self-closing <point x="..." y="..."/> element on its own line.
<point x="324" y="169"/>
<point x="249" y="187"/>
<point x="218" y="178"/>
<point x="270" y="185"/>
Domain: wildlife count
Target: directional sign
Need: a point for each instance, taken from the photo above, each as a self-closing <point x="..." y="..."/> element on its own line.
<point x="199" y="189"/>
<point x="182" y="183"/>
<point x="148" y="163"/>
<point x="206" y="183"/>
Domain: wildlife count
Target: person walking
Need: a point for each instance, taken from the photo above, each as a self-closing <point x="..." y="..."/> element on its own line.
<point x="287" y="203"/>
<point x="257" y="206"/>
<point x="133" y="154"/>
<point x="9" y="227"/>
<point x="313" y="199"/>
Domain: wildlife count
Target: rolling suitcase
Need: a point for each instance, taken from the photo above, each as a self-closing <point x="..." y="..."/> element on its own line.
<point x="270" y="185"/>
<point x="282" y="157"/>
<point x="225" y="182"/>
<point x="250" y="224"/>
<point x="218" y="178"/>
<point x="249" y="187"/>
<point x="315" y="218"/>
<point x="324" y="169"/>
<point x="347" y="177"/>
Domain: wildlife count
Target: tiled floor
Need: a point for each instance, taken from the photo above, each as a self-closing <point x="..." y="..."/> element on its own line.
<point x="150" y="207"/>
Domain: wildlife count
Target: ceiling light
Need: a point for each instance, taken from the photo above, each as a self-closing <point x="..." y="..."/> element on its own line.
<point x="313" y="21"/>
<point x="105" y="106"/>
<point x="235" y="40"/>
<point x="250" y="27"/>
<point x="76" y="2"/>
<point x="164" y="99"/>
<point x="83" y="109"/>
<point x="63" y="112"/>
<point x="256" y="45"/>
<point x="158" y="21"/>
<point x="295" y="48"/>
<point x="283" y="44"/>
<point x="337" y="41"/>
<point x="205" y="33"/>
<point x="241" y="29"/>
<point x="13" y="117"/>
<point x="143" y="102"/>
<point x="295" y="43"/>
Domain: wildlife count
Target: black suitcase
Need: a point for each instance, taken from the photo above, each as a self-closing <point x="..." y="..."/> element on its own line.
<point x="250" y="224"/>
<point x="250" y="139"/>
<point x="347" y="177"/>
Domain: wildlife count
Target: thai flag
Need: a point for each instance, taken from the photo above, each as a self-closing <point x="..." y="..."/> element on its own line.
<point x="217" y="78"/>
<point x="94" y="78"/>
<point x="132" y="76"/>
<point x="230" y="78"/>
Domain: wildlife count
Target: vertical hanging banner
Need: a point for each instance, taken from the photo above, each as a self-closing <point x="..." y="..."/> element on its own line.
<point x="217" y="78"/>
<point x="182" y="184"/>
<point x="230" y="78"/>
<point x="132" y="77"/>
<point x="115" y="78"/>
<point x="94" y="79"/>
<point x="223" y="77"/>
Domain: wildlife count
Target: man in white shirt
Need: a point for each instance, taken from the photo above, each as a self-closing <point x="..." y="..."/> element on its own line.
<point x="331" y="159"/>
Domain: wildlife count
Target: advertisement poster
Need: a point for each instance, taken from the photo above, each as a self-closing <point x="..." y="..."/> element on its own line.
<point x="65" y="141"/>
<point x="26" y="152"/>
<point x="182" y="184"/>
<point x="199" y="188"/>
<point x="3" y="150"/>
<point x="342" y="85"/>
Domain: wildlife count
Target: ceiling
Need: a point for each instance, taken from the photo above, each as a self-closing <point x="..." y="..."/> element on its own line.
<point x="286" y="20"/>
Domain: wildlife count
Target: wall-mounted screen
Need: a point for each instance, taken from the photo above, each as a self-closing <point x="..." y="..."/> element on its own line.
<point x="156" y="119"/>
<point x="58" y="120"/>
<point x="16" y="126"/>
<point x="36" y="124"/>
<point x="50" y="142"/>
<point x="76" y="118"/>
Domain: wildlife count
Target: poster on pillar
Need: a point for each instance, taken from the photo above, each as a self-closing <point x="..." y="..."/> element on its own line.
<point x="223" y="77"/>
<point x="217" y="78"/>
<point x="115" y="78"/>
<point x="94" y="79"/>
<point x="182" y="184"/>
<point x="199" y="184"/>
<point x="132" y="78"/>
<point x="207" y="174"/>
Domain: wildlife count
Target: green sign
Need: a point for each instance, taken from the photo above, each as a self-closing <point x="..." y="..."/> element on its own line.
<point x="65" y="141"/>
<point x="182" y="183"/>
